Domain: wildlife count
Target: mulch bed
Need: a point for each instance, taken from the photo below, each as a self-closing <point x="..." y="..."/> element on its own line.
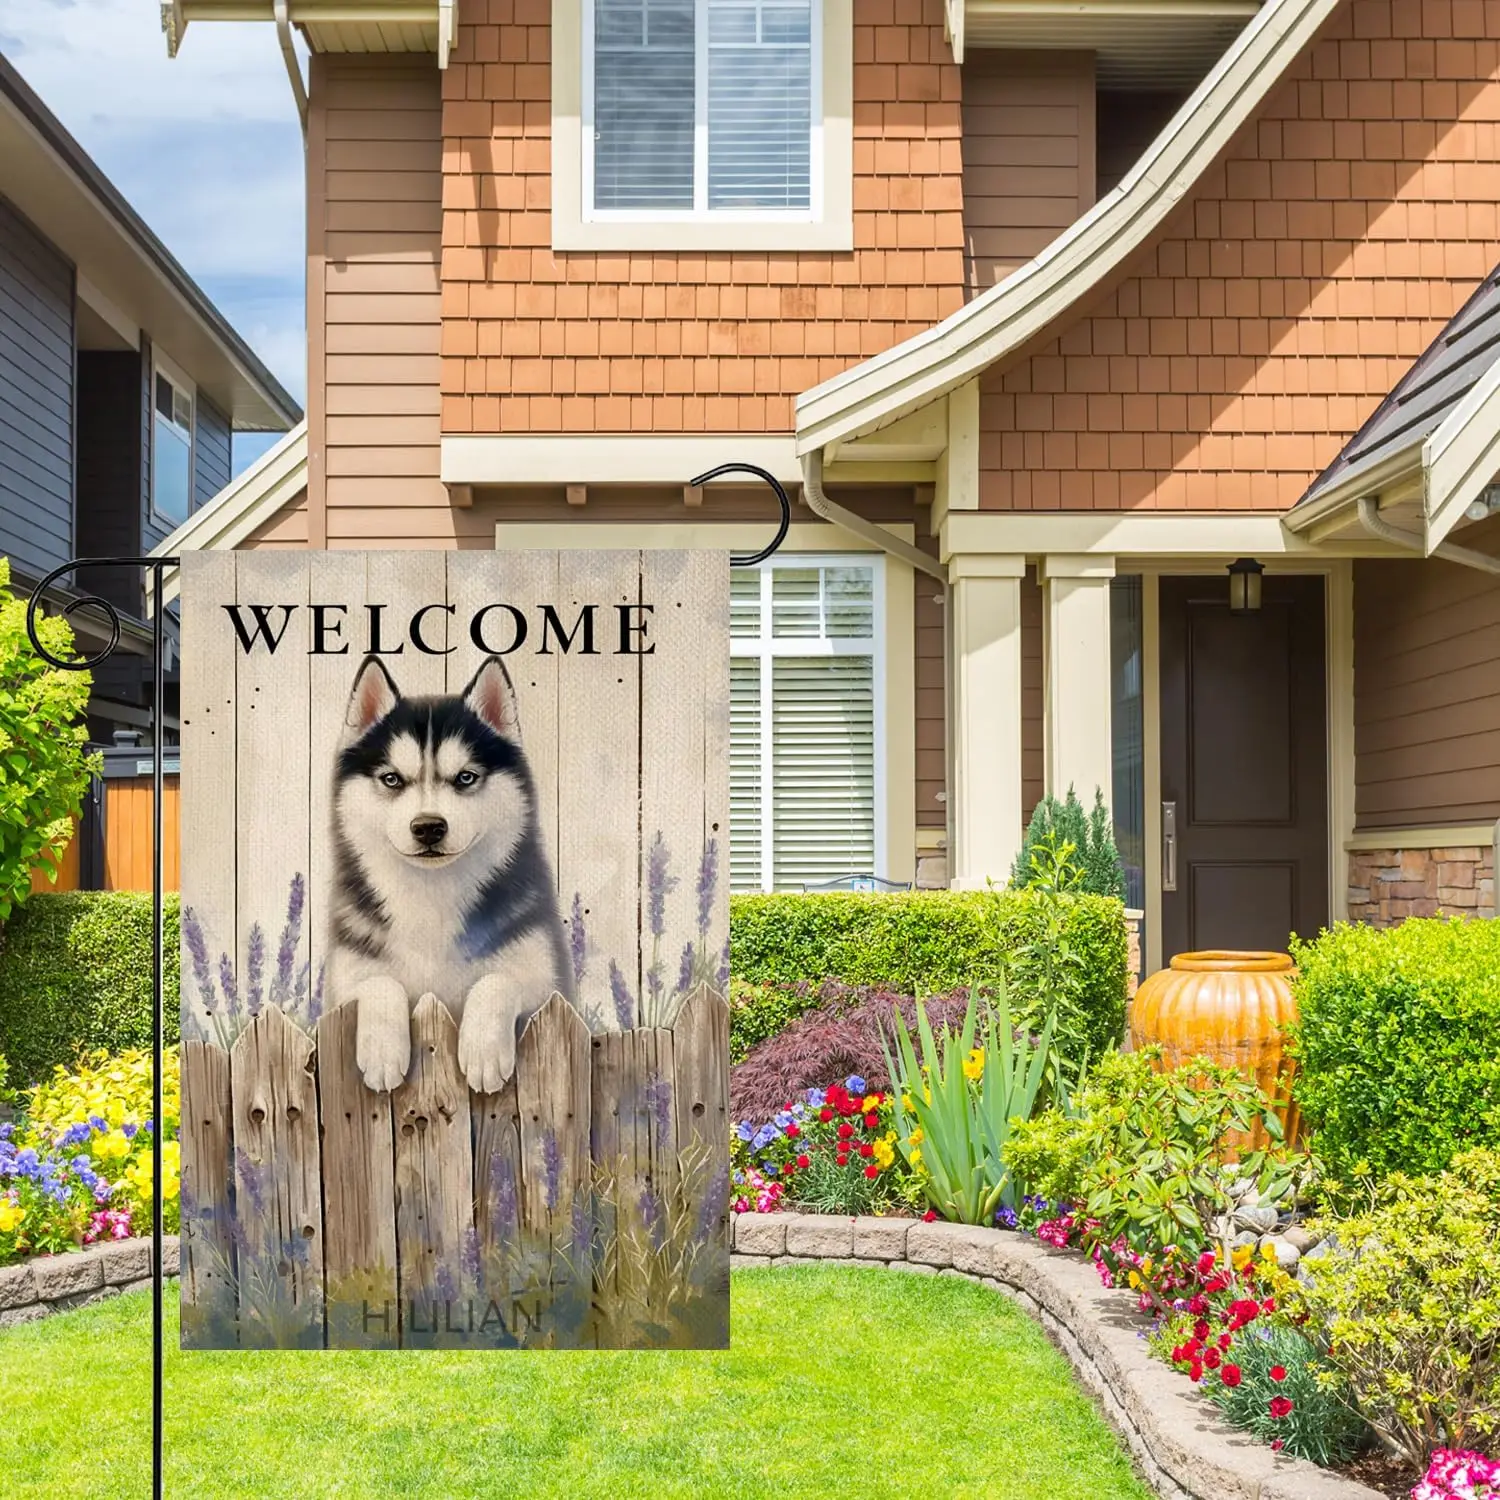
<point x="1393" y="1477"/>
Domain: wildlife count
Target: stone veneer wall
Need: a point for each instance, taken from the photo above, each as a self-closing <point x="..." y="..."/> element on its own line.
<point x="1180" y="1443"/>
<point x="1388" y="885"/>
<point x="55" y="1283"/>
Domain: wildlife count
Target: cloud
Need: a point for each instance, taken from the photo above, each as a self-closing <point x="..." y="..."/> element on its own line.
<point x="206" y="148"/>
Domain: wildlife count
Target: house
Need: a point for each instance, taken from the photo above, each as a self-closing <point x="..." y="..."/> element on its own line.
<point x="120" y="388"/>
<point x="1133" y="365"/>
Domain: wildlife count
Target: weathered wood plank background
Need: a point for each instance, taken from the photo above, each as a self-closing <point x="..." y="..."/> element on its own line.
<point x="368" y="1200"/>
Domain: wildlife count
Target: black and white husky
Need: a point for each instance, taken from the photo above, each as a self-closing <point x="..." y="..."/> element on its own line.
<point x="441" y="880"/>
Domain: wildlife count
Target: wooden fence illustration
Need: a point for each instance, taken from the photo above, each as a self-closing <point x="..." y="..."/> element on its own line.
<point x="585" y="1205"/>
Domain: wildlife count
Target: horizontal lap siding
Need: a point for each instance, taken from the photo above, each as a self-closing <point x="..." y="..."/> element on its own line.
<point x="1310" y="267"/>
<point x="212" y="462"/>
<point x="683" y="342"/>
<point x="36" y="398"/>
<point x="1426" y="693"/>
<point x="1028" y="153"/>
<point x="378" y="197"/>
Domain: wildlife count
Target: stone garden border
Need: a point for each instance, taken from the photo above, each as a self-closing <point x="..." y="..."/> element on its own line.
<point x="49" y="1284"/>
<point x="1181" y="1444"/>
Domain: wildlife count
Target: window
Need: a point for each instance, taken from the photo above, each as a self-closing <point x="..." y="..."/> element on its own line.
<point x="171" y="446"/>
<point x="701" y="108"/>
<point x="805" y="799"/>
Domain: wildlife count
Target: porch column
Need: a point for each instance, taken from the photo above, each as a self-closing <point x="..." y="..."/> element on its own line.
<point x="985" y="699"/>
<point x="1078" y="750"/>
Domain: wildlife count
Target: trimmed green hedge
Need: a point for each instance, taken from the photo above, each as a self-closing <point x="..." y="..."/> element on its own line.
<point x="921" y="942"/>
<point x="75" y="973"/>
<point x="1399" y="1044"/>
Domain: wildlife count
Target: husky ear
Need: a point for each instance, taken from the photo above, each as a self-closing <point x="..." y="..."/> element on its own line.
<point x="373" y="697"/>
<point x="493" y="699"/>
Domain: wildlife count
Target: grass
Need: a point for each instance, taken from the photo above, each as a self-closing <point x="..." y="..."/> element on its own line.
<point x="841" y="1381"/>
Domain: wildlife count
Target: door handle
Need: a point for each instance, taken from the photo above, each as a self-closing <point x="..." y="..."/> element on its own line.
<point x="1169" y="846"/>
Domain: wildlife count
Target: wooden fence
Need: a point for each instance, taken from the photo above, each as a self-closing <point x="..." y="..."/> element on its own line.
<point x="585" y="1205"/>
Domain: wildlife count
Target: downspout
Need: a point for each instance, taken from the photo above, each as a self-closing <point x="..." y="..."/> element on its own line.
<point x="289" y="57"/>
<point x="1370" y="519"/>
<point x="830" y="510"/>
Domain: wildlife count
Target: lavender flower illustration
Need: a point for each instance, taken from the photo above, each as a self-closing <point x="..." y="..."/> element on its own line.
<point x="503" y="1218"/>
<point x="578" y="943"/>
<point x="197" y="946"/>
<point x="708" y="881"/>
<point x="620" y="993"/>
<point x="255" y="966"/>
<point x="659" y="1102"/>
<point x="552" y="1166"/>
<point x="291" y="936"/>
<point x="715" y="1200"/>
<point x="686" y="969"/>
<point x="229" y="985"/>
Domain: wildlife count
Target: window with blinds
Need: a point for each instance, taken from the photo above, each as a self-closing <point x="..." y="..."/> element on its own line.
<point x="702" y="106"/>
<point x="803" y="762"/>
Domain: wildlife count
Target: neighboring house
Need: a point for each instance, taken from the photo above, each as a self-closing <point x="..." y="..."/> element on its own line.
<point x="1053" y="313"/>
<point x="120" y="387"/>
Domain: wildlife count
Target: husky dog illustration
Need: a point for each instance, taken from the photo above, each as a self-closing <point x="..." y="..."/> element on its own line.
<point x="441" y="880"/>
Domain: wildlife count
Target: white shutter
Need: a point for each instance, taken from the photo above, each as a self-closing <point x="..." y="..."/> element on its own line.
<point x="759" y="104"/>
<point x="744" y="770"/>
<point x="644" y="103"/>
<point x="823" y="768"/>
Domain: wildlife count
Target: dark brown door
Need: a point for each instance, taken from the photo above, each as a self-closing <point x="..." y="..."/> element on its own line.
<point x="1243" y="764"/>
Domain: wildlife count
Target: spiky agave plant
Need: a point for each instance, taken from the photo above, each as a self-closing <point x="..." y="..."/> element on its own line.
<point x="963" y="1100"/>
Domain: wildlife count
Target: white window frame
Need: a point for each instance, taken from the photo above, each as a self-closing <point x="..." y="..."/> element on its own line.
<point x="828" y="222"/>
<point x="701" y="212"/>
<point x="161" y="364"/>
<point x="766" y="647"/>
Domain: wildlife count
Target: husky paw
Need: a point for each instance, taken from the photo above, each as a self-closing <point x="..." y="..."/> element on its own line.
<point x="382" y="1035"/>
<point x="487" y="1036"/>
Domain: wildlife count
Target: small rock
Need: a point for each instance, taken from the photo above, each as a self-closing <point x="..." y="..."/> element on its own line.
<point x="1287" y="1255"/>
<point x="1258" y="1217"/>
<point x="1302" y="1239"/>
<point x="1244" y="1237"/>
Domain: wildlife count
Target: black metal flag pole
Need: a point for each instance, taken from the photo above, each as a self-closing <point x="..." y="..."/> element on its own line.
<point x="156" y="565"/>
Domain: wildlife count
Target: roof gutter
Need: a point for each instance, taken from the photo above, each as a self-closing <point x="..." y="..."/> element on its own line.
<point x="1370" y="519"/>
<point x="829" y="510"/>
<point x="289" y="57"/>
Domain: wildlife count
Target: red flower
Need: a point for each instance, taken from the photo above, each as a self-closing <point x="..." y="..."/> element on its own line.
<point x="1217" y="1284"/>
<point x="871" y="1120"/>
<point x="1225" y="1340"/>
<point x="842" y="1158"/>
<point x="845" y="1130"/>
<point x="825" y="1114"/>
<point x="1278" y="1444"/>
<point x="866" y="1149"/>
<point x="803" y="1161"/>
<point x="1200" y="1329"/>
<point x="1198" y="1306"/>
<point x="793" y="1131"/>
<point x="1211" y="1358"/>
<point x="1280" y="1407"/>
<point x="1269" y="1305"/>
<point x="929" y="1216"/>
<point x="1205" y="1262"/>
<point x="872" y="1170"/>
<point x="1230" y="1375"/>
<point x="1278" y="1373"/>
<point x="1196" y="1372"/>
<point x="1192" y="1349"/>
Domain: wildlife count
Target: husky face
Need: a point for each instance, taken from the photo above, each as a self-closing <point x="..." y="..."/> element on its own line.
<point x="423" y="784"/>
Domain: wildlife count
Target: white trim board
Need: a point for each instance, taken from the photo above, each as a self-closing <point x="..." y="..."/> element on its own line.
<point x="646" y="536"/>
<point x="1459" y="836"/>
<point x="1079" y="261"/>
<point x="594" y="458"/>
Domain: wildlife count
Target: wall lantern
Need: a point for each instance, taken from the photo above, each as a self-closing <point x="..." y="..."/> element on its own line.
<point x="1244" y="585"/>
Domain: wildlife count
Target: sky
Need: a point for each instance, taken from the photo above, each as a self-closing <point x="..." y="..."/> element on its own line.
<point x="206" y="147"/>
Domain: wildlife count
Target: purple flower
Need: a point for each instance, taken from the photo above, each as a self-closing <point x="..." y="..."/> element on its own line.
<point x="659" y="1102"/>
<point x="583" y="1229"/>
<point x="552" y="1164"/>
<point x="197" y="946"/>
<point x="299" y="994"/>
<point x="502" y="1196"/>
<point x="291" y="936"/>
<point x="620" y="993"/>
<point x="469" y="1255"/>
<point x="723" y="974"/>
<point x="711" y="1210"/>
<point x="578" y="942"/>
<point x="255" y="965"/>
<point x="685" y="969"/>
<point x="315" y="1005"/>
<point x="653" y="1217"/>
<point x="708" y="880"/>
<point x="443" y="1282"/>
<point x="659" y="885"/>
<point x="251" y="1180"/>
<point x="231" y="989"/>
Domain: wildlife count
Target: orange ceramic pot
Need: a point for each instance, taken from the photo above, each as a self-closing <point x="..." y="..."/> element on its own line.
<point x="1232" y="1008"/>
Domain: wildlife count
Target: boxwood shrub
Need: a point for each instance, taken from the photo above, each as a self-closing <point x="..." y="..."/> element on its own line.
<point x="921" y="942"/>
<point x="1399" y="1044"/>
<point x="75" y="973"/>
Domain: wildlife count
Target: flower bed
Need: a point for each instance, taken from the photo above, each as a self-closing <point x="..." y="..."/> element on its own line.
<point x="76" y="1168"/>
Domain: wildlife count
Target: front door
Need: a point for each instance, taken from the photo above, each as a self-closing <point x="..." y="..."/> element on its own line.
<point x="1244" y="765"/>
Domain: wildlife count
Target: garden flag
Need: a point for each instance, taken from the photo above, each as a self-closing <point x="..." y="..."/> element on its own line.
<point x="454" y="949"/>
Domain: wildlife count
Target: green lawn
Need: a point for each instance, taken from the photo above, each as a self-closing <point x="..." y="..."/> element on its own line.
<point x="858" y="1383"/>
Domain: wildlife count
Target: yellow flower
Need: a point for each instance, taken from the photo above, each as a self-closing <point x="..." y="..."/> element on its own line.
<point x="1135" y="1280"/>
<point x="916" y="1160"/>
<point x="916" y="1137"/>
<point x="884" y="1154"/>
<point x="974" y="1063"/>
<point x="11" y="1215"/>
<point x="1240" y="1257"/>
<point x="1268" y="1251"/>
<point x="871" y="1102"/>
<point x="906" y="1103"/>
<point x="113" y="1147"/>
